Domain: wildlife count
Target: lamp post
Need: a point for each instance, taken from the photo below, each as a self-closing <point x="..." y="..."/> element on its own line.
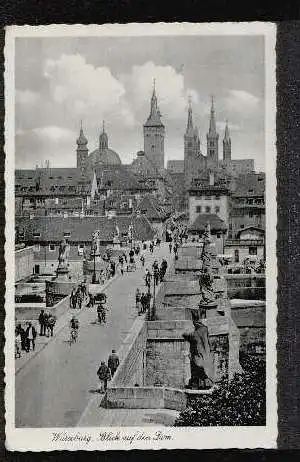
<point x="94" y="269"/>
<point x="153" y="316"/>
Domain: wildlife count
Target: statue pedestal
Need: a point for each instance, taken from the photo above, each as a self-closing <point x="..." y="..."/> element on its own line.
<point x="116" y="243"/>
<point x="210" y="309"/>
<point x="62" y="274"/>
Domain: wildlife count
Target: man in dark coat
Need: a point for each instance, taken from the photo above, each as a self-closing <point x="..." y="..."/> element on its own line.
<point x="42" y="323"/>
<point x="113" y="362"/>
<point x="104" y="375"/>
<point x="22" y="333"/>
<point x="200" y="358"/>
<point x="30" y="337"/>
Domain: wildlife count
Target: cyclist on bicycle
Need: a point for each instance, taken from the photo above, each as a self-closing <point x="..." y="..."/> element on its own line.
<point x="74" y="324"/>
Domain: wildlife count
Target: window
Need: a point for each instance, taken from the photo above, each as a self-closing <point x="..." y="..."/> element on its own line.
<point x="67" y="234"/>
<point x="252" y="250"/>
<point x="198" y="209"/>
<point x="51" y="247"/>
<point x="207" y="209"/>
<point x="217" y="209"/>
<point x="36" y="248"/>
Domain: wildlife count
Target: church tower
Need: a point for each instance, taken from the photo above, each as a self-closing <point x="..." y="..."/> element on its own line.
<point x="103" y="140"/>
<point x="82" y="151"/>
<point x="212" y="138"/>
<point x="192" y="154"/>
<point x="189" y="136"/>
<point x="227" y="145"/>
<point x="154" y="135"/>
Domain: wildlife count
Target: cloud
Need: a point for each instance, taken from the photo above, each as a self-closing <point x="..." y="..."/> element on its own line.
<point x="84" y="90"/>
<point x="54" y="134"/>
<point x="27" y="97"/>
<point x="40" y="144"/>
<point x="241" y="100"/>
<point x="170" y="89"/>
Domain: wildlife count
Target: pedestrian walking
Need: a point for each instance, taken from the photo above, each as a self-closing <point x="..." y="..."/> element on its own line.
<point x="148" y="279"/>
<point x="143" y="304"/>
<point x="142" y="259"/>
<point x="17" y="344"/>
<point x="147" y="301"/>
<point x="104" y="375"/>
<point x="163" y="269"/>
<point x="30" y="337"/>
<point x="113" y="362"/>
<point x="22" y="337"/>
<point x="138" y="300"/>
<point x="79" y="298"/>
<point x="91" y="301"/>
<point x="42" y="323"/>
<point x="73" y="298"/>
<point x="50" y="324"/>
<point x="170" y="247"/>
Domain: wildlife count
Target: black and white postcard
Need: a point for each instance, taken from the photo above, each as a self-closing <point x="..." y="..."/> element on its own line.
<point x="140" y="236"/>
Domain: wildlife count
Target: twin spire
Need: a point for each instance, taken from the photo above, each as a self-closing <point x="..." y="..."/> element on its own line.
<point x="212" y="121"/>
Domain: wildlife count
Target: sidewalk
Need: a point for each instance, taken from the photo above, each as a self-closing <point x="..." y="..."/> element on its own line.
<point x="42" y="341"/>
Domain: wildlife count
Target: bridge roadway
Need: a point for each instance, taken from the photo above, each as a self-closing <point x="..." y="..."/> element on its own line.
<point x="54" y="388"/>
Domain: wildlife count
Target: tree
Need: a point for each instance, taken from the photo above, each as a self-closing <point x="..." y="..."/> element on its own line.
<point x="242" y="401"/>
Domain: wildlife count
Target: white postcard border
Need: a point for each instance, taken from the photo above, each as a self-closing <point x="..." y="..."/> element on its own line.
<point x="190" y="437"/>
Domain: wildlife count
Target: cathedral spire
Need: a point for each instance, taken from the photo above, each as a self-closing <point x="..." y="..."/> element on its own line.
<point x="189" y="126"/>
<point x="226" y="134"/>
<point x="226" y="144"/>
<point x="212" y="120"/>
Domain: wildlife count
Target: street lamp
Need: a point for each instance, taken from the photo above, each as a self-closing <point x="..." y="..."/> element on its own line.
<point x="94" y="246"/>
<point x="153" y="315"/>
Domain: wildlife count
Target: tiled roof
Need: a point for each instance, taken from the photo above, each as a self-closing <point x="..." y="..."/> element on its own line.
<point x="216" y="223"/>
<point x="51" y="181"/>
<point x="53" y="229"/>
<point x="251" y="184"/>
<point x="153" y="210"/>
<point x="116" y="177"/>
<point x="144" y="167"/>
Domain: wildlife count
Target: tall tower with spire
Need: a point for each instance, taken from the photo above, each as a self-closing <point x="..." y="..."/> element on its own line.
<point x="154" y="134"/>
<point x="103" y="140"/>
<point x="226" y="144"/>
<point x="192" y="154"/>
<point x="212" y="137"/>
<point x="82" y="150"/>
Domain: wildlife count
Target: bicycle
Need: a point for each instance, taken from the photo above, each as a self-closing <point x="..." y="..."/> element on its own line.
<point x="73" y="336"/>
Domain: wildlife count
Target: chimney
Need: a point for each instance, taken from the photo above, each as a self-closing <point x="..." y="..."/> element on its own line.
<point x="211" y="178"/>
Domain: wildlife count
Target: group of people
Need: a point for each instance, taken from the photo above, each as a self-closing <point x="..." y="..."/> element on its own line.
<point x="47" y="322"/>
<point x="142" y="301"/>
<point x="78" y="295"/>
<point x="25" y="338"/>
<point x="158" y="273"/>
<point x="107" y="371"/>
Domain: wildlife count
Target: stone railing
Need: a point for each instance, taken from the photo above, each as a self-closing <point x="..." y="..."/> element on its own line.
<point x="151" y="397"/>
<point x="132" y="357"/>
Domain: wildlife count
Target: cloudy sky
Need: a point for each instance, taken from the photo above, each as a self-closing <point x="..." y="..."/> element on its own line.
<point x="60" y="81"/>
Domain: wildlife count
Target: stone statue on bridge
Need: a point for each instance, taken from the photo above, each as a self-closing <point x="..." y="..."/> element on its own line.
<point x="202" y="374"/>
<point x="63" y="255"/>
